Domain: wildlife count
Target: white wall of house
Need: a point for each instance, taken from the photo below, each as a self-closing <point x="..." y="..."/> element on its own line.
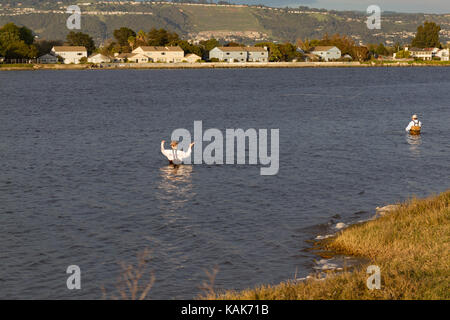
<point x="139" y="58"/>
<point x="444" y="54"/>
<point x="99" y="58"/>
<point x="240" y="54"/>
<point x="47" y="58"/>
<point x="69" y="55"/>
<point x="330" y="54"/>
<point x="158" y="54"/>
<point x="192" y="58"/>
<point x="258" y="56"/>
<point x="228" y="56"/>
<point x="424" y="55"/>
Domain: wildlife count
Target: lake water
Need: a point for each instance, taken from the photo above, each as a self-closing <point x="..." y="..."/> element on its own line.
<point x="83" y="182"/>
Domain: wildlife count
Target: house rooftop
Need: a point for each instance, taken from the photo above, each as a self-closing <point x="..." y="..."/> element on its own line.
<point x="421" y="49"/>
<point x="248" y="49"/>
<point x="158" y="48"/>
<point x="69" y="48"/>
<point x="322" y="48"/>
<point x="98" y="54"/>
<point x="125" y="55"/>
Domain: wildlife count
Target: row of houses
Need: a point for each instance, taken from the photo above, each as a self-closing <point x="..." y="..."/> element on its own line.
<point x="240" y="54"/>
<point x="175" y="54"/>
<point x="74" y="54"/>
<point x="261" y="54"/>
<point x="165" y="54"/>
<point x="325" y="53"/>
<point x="328" y="53"/>
<point x="428" y="53"/>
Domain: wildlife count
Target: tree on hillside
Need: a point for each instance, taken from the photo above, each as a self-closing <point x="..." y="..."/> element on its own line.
<point x="303" y="44"/>
<point x="234" y="44"/>
<point x="81" y="39"/>
<point x="110" y="47"/>
<point x="274" y="51"/>
<point x="210" y="44"/>
<point x="307" y="44"/>
<point x="427" y="36"/>
<point x="45" y="46"/>
<point x="288" y="52"/>
<point x="382" y="50"/>
<point x="360" y="53"/>
<point x="161" y="37"/>
<point x="141" y="39"/>
<point x="122" y="35"/>
<point x="188" y="47"/>
<point x="397" y="47"/>
<point x="17" y="42"/>
<point x="344" y="43"/>
<point x="26" y="35"/>
<point x="402" y="54"/>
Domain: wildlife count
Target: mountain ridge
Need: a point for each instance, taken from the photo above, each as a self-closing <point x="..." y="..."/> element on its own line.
<point x="246" y="23"/>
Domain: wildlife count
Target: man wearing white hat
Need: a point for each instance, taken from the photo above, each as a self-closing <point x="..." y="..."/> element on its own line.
<point x="414" y="125"/>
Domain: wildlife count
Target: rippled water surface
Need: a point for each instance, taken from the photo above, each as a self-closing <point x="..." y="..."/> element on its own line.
<point x="82" y="180"/>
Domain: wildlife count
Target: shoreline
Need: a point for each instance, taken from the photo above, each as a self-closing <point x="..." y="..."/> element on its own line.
<point x="217" y="65"/>
<point x="406" y="241"/>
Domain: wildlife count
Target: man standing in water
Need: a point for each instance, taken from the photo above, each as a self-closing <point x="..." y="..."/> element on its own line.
<point x="414" y="126"/>
<point x="174" y="155"/>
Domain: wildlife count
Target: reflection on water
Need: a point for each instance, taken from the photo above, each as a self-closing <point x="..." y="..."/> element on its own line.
<point x="414" y="142"/>
<point x="175" y="187"/>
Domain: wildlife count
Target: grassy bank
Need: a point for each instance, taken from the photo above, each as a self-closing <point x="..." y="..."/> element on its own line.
<point x="209" y="65"/>
<point x="412" y="63"/>
<point x="218" y="65"/>
<point x="410" y="245"/>
<point x="21" y="66"/>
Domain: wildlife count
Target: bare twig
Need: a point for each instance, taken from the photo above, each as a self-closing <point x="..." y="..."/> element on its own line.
<point x="128" y="284"/>
<point x="208" y="285"/>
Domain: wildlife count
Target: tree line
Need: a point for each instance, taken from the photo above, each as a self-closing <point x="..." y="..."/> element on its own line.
<point x="19" y="42"/>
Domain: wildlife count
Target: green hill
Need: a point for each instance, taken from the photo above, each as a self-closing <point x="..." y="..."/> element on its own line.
<point x="239" y="22"/>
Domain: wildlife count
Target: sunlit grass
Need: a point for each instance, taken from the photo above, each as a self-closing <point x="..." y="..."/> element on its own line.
<point x="410" y="245"/>
<point x="16" y="65"/>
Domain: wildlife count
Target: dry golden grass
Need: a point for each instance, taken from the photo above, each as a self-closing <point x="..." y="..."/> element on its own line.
<point x="410" y="245"/>
<point x="128" y="285"/>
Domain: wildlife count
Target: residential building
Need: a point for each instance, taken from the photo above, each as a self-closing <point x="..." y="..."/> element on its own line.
<point x="138" y="58"/>
<point x="421" y="53"/>
<point x="257" y="54"/>
<point x="70" y="54"/>
<point x="99" y="58"/>
<point x="161" y="54"/>
<point x="192" y="58"/>
<point x="47" y="58"/>
<point x="347" y="57"/>
<point x="228" y="54"/>
<point x="122" y="57"/>
<point x="240" y="54"/>
<point x="444" y="54"/>
<point x="327" y="53"/>
<point x="309" y="57"/>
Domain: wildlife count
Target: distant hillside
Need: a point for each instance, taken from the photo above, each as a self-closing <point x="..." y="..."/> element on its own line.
<point x="235" y="22"/>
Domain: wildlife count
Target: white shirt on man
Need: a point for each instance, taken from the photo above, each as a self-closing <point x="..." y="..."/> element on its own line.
<point x="412" y="124"/>
<point x="175" y="156"/>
